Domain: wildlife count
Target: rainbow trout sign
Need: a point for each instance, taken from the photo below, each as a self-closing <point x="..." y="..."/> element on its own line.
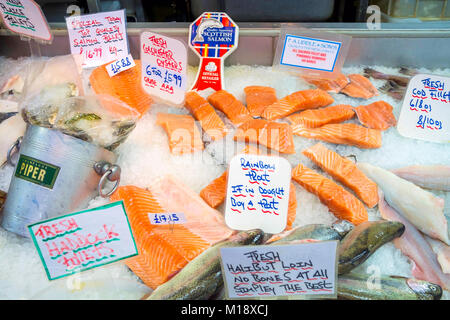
<point x="213" y="36"/>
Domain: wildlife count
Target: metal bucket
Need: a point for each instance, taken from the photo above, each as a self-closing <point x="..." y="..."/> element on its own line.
<point x="55" y="174"/>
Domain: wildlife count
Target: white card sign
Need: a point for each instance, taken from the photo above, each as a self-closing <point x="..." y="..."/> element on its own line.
<point x="83" y="240"/>
<point x="99" y="38"/>
<point x="280" y="270"/>
<point x="25" y="17"/>
<point x="258" y="193"/>
<point x="425" y="111"/>
<point x="120" y="65"/>
<point x="164" y="63"/>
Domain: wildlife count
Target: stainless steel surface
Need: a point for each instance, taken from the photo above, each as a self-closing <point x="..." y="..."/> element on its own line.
<point x="75" y="185"/>
<point x="393" y="45"/>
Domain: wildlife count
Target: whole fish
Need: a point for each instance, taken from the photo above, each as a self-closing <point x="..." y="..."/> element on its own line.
<point x="202" y="277"/>
<point x="436" y="177"/>
<point x="413" y="244"/>
<point x="314" y="231"/>
<point x="394" y="90"/>
<point x="420" y="207"/>
<point x="400" y="80"/>
<point x="6" y="115"/>
<point x="360" y="287"/>
<point x="408" y="71"/>
<point x="360" y="243"/>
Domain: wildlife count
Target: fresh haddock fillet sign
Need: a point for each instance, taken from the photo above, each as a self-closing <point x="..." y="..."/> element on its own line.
<point x="213" y="36"/>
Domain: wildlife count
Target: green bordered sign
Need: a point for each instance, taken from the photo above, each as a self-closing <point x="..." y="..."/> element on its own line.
<point x="83" y="240"/>
<point x="36" y="171"/>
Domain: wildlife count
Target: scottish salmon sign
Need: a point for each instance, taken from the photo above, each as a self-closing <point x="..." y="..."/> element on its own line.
<point x="25" y="17"/>
<point x="83" y="240"/>
<point x="213" y="36"/>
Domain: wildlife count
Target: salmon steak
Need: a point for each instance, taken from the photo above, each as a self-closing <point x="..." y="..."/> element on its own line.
<point x="359" y="87"/>
<point x="377" y="115"/>
<point x="230" y="106"/>
<point x="339" y="201"/>
<point x="126" y="86"/>
<point x="328" y="84"/>
<point x="164" y="249"/>
<point x="314" y="118"/>
<point x="206" y="115"/>
<point x="342" y="133"/>
<point x="258" y="98"/>
<point x="300" y="100"/>
<point x="273" y="135"/>
<point x="184" y="135"/>
<point x="345" y="172"/>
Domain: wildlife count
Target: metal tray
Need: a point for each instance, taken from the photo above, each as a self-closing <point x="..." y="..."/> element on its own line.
<point x="410" y="45"/>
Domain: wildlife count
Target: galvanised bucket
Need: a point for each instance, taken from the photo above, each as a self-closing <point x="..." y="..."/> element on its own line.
<point x="55" y="174"/>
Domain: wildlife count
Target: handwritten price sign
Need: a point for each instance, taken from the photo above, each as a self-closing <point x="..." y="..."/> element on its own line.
<point x="283" y="270"/>
<point x="99" y="38"/>
<point x="164" y="63"/>
<point x="425" y="112"/>
<point x="83" y="240"/>
<point x="120" y="65"/>
<point x="25" y="17"/>
<point x="258" y="193"/>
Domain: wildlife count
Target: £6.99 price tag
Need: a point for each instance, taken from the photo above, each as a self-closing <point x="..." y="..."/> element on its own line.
<point x="164" y="63"/>
<point x="425" y="111"/>
<point x="258" y="193"/>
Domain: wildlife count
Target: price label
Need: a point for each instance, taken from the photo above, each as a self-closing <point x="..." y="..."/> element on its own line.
<point x="258" y="193"/>
<point x="425" y="111"/>
<point x="167" y="218"/>
<point x="120" y="65"/>
<point x="283" y="270"/>
<point x="164" y="63"/>
<point x="99" y="38"/>
<point x="25" y="17"/>
<point x="83" y="240"/>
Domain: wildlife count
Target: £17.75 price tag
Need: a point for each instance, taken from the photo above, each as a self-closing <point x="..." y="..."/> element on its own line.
<point x="164" y="63"/>
<point x="258" y="193"/>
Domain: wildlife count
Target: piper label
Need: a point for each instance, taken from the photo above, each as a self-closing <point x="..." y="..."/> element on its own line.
<point x="258" y="193"/>
<point x="99" y="38"/>
<point x="213" y="36"/>
<point x="280" y="270"/>
<point x="36" y="171"/>
<point x="83" y="240"/>
<point x="25" y="17"/>
<point x="425" y="111"/>
<point x="310" y="53"/>
<point x="164" y="63"/>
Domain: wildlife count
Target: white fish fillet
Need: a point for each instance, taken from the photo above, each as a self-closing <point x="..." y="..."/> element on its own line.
<point x="442" y="251"/>
<point x="424" y="210"/>
<point x="10" y="129"/>
<point x="436" y="177"/>
<point x="413" y="244"/>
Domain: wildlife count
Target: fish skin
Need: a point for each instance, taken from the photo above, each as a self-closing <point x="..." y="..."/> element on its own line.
<point x="202" y="276"/>
<point x="354" y="286"/>
<point x="6" y="115"/>
<point x="399" y="80"/>
<point x="435" y="177"/>
<point x="413" y="245"/>
<point x="394" y="90"/>
<point x="361" y="242"/>
<point x="420" y="207"/>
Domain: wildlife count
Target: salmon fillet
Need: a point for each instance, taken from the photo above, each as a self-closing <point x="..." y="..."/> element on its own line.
<point x="318" y="117"/>
<point x="274" y="135"/>
<point x="206" y="115"/>
<point x="377" y="115"/>
<point x="329" y="85"/>
<point x="339" y="201"/>
<point x="342" y="133"/>
<point x="359" y="87"/>
<point x="258" y="98"/>
<point x="344" y="171"/>
<point x="230" y="106"/>
<point x="184" y="135"/>
<point x="165" y="249"/>
<point x="300" y="100"/>
<point x="126" y="86"/>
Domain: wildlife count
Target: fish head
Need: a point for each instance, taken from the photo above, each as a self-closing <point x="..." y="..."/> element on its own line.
<point x="250" y="237"/>
<point x="342" y="227"/>
<point x="425" y="290"/>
